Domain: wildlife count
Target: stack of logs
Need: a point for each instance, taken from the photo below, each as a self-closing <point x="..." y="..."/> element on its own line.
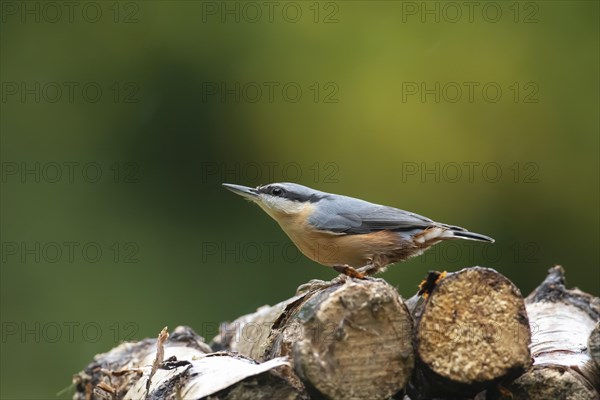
<point x="465" y="335"/>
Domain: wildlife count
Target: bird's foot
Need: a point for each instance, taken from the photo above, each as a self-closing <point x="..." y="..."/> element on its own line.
<point x="317" y="284"/>
<point x="346" y="272"/>
<point x="371" y="269"/>
<point x="313" y="284"/>
<point x="349" y="271"/>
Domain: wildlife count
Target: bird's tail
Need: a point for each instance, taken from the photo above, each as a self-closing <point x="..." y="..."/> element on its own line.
<point x="462" y="233"/>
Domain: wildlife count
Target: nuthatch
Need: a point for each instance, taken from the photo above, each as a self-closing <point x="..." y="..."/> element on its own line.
<point x="353" y="236"/>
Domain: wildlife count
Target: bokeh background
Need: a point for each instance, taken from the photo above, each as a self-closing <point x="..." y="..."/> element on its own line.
<point x="121" y="120"/>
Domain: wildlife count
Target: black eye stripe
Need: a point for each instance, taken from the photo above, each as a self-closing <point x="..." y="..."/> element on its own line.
<point x="278" y="191"/>
<point x="272" y="190"/>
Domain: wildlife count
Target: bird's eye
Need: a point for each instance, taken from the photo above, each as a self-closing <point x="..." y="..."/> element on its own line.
<point x="277" y="191"/>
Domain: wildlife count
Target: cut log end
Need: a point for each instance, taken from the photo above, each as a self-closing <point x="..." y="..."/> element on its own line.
<point x="473" y="331"/>
<point x="351" y="341"/>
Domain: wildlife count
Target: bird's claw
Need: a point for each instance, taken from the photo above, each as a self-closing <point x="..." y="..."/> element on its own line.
<point x="346" y="273"/>
<point x="317" y="284"/>
<point x="313" y="284"/>
<point x="349" y="271"/>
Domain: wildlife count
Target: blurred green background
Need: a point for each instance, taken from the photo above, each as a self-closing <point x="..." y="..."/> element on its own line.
<point x="121" y="120"/>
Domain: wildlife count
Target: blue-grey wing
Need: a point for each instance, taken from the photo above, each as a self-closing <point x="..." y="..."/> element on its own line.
<point x="353" y="216"/>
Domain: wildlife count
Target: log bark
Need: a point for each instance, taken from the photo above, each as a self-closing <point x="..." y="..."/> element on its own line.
<point x="188" y="369"/>
<point x="249" y="334"/>
<point x="594" y="345"/>
<point x="471" y="333"/>
<point x="348" y="340"/>
<point x="562" y="322"/>
<point x="463" y="336"/>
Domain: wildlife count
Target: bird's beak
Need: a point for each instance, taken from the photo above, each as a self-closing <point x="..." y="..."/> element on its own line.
<point x="246" y="192"/>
